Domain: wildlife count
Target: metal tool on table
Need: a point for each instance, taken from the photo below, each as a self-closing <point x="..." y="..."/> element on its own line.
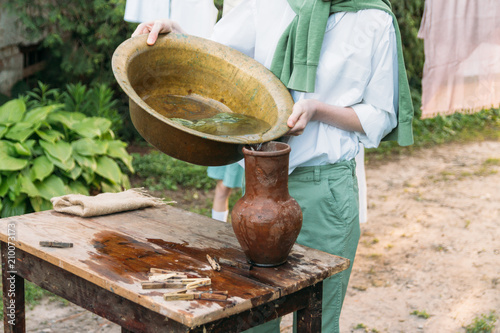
<point x="55" y="244"/>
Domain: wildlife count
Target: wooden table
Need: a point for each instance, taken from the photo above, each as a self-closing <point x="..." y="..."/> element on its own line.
<point x="112" y="255"/>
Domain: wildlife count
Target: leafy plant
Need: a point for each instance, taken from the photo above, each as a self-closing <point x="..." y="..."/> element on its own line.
<point x="94" y="101"/>
<point x="46" y="151"/>
<point x="485" y="324"/>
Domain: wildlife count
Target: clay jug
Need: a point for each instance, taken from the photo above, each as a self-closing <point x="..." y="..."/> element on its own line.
<point x="267" y="220"/>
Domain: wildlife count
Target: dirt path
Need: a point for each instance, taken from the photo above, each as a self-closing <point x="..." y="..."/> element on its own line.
<point x="431" y="245"/>
<point x="432" y="242"/>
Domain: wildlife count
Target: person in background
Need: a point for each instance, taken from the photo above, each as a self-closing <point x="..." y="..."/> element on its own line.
<point x="342" y="61"/>
<point x="229" y="5"/>
<point x="197" y="17"/>
<point x="227" y="176"/>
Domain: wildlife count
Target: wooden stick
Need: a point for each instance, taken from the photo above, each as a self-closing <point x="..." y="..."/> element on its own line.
<point x="177" y="297"/>
<point x="215" y="265"/>
<point x="211" y="296"/>
<point x="177" y="283"/>
<point x="162" y="285"/>
<point x="161" y="277"/>
<point x="199" y="283"/>
<point x="162" y="271"/>
<point x="207" y="295"/>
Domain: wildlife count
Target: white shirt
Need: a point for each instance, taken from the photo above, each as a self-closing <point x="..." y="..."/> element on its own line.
<point x="358" y="68"/>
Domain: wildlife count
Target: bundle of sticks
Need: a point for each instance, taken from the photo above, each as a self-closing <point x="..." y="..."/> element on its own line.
<point x="166" y="279"/>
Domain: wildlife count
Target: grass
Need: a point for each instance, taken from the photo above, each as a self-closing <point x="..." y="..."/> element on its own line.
<point x="483" y="324"/>
<point x="363" y="327"/>
<point x="487" y="168"/>
<point x="458" y="127"/>
<point x="420" y="314"/>
<point x="162" y="172"/>
<point x="33" y="294"/>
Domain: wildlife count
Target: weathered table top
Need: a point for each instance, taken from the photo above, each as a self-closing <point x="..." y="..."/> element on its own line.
<point x="117" y="251"/>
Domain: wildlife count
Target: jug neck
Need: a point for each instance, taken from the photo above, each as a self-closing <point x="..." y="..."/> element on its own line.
<point x="266" y="172"/>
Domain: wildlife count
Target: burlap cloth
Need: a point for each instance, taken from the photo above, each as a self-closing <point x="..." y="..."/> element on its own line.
<point x="104" y="203"/>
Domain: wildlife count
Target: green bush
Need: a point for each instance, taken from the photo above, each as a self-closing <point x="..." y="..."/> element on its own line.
<point x="47" y="151"/>
<point x="409" y="15"/>
<point x="80" y="36"/>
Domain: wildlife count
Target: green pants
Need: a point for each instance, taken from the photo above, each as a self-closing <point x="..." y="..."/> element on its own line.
<point x="328" y="196"/>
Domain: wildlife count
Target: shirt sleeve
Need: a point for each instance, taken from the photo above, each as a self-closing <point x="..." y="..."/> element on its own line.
<point x="237" y="28"/>
<point x="377" y="111"/>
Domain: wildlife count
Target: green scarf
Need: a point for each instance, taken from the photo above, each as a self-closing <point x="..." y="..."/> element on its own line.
<point x="296" y="57"/>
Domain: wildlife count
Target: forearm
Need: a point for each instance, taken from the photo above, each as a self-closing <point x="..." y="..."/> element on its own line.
<point x="310" y="109"/>
<point x="344" y="118"/>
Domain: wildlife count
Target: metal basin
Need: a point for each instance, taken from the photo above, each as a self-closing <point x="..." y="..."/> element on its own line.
<point x="179" y="67"/>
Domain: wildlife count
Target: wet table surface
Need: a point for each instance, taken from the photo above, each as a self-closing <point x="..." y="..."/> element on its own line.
<point x="112" y="255"/>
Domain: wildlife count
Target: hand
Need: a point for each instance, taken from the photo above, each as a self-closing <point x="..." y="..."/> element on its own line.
<point x="157" y="27"/>
<point x="303" y="111"/>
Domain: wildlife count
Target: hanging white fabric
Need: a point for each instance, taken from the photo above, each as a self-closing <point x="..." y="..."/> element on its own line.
<point x="138" y="11"/>
<point x="196" y="17"/>
<point x="229" y="5"/>
<point x="462" y="56"/>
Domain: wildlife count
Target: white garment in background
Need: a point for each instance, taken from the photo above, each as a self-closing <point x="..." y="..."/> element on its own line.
<point x="462" y="56"/>
<point x="139" y="11"/>
<point x="196" y="17"/>
<point x="229" y="5"/>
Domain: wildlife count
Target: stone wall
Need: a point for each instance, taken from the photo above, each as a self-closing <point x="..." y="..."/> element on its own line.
<point x="12" y="36"/>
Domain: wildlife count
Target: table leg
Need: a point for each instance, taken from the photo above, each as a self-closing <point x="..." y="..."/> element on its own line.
<point x="13" y="292"/>
<point x="309" y="318"/>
